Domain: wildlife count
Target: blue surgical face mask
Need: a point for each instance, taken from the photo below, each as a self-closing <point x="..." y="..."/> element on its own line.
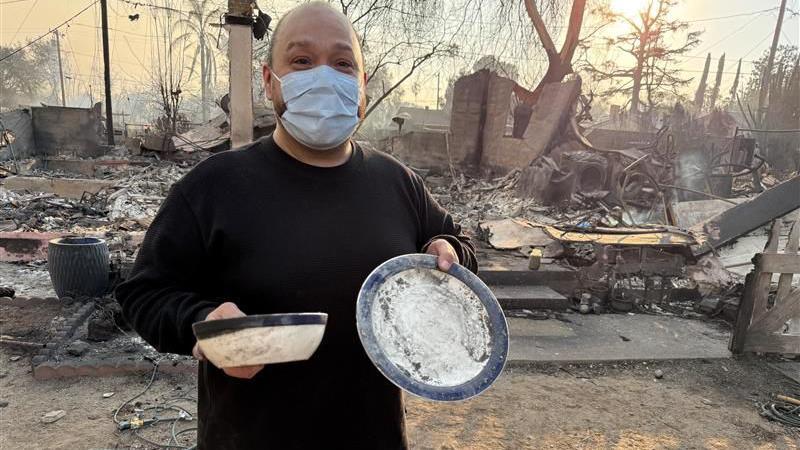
<point x="321" y="106"/>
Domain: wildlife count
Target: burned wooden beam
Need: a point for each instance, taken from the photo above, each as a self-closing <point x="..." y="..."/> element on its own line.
<point x="746" y="217"/>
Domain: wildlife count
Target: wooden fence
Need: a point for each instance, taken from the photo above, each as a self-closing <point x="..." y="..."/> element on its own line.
<point x="771" y="323"/>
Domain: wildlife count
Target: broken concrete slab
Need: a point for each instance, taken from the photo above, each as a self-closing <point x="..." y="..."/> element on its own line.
<point x="746" y="217"/>
<point x="63" y="187"/>
<point x="86" y="167"/>
<point x="24" y="246"/>
<point x="614" y="337"/>
<point x="529" y="297"/>
<point x="710" y="276"/>
<point x="510" y="234"/>
<point x="689" y="214"/>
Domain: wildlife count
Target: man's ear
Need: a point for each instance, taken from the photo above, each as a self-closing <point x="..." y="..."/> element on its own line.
<point x="267" y="81"/>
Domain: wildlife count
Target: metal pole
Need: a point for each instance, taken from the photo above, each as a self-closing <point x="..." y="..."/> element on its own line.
<point x="437" y="90"/>
<point x="60" y="70"/>
<point x="107" y="72"/>
<point x="762" y="94"/>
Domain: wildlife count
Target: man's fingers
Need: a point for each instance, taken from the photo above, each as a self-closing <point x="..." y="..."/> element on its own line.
<point x="226" y="310"/>
<point x="445" y="262"/>
<point x="445" y="254"/>
<point x="245" y="372"/>
<point x="197" y="352"/>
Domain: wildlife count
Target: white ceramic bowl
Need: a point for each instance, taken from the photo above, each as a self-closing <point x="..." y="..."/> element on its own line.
<point x="260" y="339"/>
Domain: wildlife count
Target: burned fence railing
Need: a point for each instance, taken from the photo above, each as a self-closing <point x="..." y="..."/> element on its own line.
<point x="769" y="323"/>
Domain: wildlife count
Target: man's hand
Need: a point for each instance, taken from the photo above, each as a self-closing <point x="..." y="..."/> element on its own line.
<point x="445" y="253"/>
<point x="228" y="310"/>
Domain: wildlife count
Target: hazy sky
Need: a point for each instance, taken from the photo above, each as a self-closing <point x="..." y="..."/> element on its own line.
<point x="745" y="36"/>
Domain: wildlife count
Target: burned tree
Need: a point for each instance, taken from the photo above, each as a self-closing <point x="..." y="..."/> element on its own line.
<point x="783" y="105"/>
<point x="559" y="61"/>
<point x="700" y="93"/>
<point x="715" y="93"/>
<point x="170" y="72"/>
<point x="396" y="35"/>
<point x="198" y="23"/>
<point x="650" y="43"/>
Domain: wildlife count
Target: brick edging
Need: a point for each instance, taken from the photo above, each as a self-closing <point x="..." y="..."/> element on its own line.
<point x="96" y="367"/>
<point x="63" y="333"/>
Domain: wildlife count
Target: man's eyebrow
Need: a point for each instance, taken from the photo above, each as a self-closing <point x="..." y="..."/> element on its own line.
<point x="299" y="43"/>
<point x="343" y="46"/>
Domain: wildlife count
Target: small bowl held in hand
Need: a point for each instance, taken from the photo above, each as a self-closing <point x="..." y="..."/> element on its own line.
<point x="260" y="339"/>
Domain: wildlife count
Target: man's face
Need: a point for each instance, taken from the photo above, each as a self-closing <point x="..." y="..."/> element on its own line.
<point x="311" y="37"/>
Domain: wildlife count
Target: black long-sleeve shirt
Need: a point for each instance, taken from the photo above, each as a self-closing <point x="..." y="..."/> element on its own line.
<point x="274" y="235"/>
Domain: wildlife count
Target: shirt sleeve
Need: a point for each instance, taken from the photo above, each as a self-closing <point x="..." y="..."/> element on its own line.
<point x="163" y="297"/>
<point x="436" y="223"/>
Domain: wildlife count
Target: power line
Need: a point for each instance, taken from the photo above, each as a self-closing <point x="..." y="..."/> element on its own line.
<point x="708" y="19"/>
<point x="48" y="33"/>
<point x="736" y="31"/>
<point x="25" y="19"/>
<point x="150" y="5"/>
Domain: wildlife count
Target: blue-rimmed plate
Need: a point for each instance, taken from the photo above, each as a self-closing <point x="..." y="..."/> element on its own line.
<point x="440" y="336"/>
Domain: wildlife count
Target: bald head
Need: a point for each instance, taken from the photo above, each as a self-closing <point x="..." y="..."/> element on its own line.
<point x="308" y="36"/>
<point x="312" y="14"/>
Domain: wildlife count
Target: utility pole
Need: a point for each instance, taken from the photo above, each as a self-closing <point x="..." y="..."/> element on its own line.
<point x="239" y="21"/>
<point x="107" y="72"/>
<point x="762" y="93"/>
<point x="60" y="70"/>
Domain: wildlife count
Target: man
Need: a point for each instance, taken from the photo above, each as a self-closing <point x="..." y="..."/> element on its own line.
<point x="292" y="223"/>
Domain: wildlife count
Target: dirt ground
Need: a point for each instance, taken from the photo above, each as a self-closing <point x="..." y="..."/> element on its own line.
<point x="31" y="322"/>
<point x="704" y="405"/>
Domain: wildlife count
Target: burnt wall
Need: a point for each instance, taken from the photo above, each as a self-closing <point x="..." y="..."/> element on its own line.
<point x="420" y="149"/>
<point x="72" y="131"/>
<point x="467" y="115"/>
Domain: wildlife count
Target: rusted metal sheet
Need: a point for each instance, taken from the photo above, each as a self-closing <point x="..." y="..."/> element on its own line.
<point x="215" y="135"/>
<point x="661" y="237"/>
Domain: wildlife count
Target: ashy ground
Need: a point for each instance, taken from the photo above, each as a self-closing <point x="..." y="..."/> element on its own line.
<point x="699" y="404"/>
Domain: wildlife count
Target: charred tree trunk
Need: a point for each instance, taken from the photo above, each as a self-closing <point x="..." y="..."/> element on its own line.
<point x="700" y="95"/>
<point x="559" y="62"/>
<point x="735" y="86"/>
<point x="717" y="82"/>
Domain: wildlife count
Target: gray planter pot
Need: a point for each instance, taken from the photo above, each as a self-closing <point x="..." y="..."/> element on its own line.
<point x="78" y="266"/>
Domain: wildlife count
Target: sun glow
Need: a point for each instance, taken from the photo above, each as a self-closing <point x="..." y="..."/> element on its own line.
<point x="629" y="8"/>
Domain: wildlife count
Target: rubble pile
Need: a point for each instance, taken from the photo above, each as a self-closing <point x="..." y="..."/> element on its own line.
<point x="48" y="212"/>
<point x="139" y="196"/>
<point x="473" y="200"/>
<point x="129" y="204"/>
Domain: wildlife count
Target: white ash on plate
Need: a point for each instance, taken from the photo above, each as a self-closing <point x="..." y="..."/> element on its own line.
<point x="432" y="326"/>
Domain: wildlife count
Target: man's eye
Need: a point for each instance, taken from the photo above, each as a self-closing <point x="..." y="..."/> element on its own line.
<point x="346" y="64"/>
<point x="302" y="61"/>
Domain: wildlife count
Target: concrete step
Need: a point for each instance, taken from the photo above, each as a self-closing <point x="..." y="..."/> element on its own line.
<point x="529" y="297"/>
<point x="614" y="337"/>
<point x="504" y="269"/>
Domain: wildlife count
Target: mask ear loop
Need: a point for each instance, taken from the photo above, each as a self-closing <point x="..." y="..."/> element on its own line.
<point x="272" y="74"/>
